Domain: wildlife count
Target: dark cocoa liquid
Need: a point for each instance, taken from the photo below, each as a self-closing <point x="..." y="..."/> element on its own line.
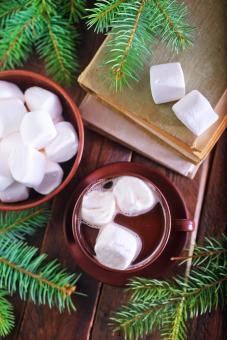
<point x="149" y="226"/>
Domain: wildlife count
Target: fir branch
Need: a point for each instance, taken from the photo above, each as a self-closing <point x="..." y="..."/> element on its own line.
<point x="56" y="46"/>
<point x="73" y="10"/>
<point x="174" y="30"/>
<point x="16" y="225"/>
<point x="102" y="14"/>
<point x="16" y="39"/>
<point x="167" y="305"/>
<point x="129" y="44"/>
<point x="7" y="318"/>
<point x="10" y="8"/>
<point x="21" y="268"/>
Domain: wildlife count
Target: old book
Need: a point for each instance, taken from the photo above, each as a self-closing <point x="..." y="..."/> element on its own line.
<point x="204" y="67"/>
<point x="123" y="130"/>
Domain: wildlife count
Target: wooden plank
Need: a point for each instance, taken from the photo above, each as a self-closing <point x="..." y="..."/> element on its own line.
<point x="111" y="297"/>
<point x="49" y="324"/>
<point x="213" y="222"/>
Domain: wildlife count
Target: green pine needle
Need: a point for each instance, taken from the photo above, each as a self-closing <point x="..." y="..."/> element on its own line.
<point x="7" y="318"/>
<point x="168" y="305"/>
<point x="16" y="225"/>
<point x="56" y="46"/>
<point x="22" y="269"/>
<point x="73" y="10"/>
<point x="133" y="27"/>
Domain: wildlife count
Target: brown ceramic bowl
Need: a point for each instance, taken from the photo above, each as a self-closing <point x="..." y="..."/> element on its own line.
<point x="71" y="113"/>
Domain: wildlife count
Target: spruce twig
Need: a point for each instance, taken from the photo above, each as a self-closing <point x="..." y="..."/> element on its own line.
<point x="7" y="317"/>
<point x="168" y="305"/>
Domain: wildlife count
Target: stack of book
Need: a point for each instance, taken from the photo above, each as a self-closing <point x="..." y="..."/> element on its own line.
<point x="204" y="66"/>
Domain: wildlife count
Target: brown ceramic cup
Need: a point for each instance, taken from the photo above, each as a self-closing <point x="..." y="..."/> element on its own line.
<point x="25" y="79"/>
<point x="154" y="240"/>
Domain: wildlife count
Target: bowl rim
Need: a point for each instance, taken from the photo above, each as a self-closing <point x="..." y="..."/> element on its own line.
<point x="80" y="127"/>
<point x="152" y="257"/>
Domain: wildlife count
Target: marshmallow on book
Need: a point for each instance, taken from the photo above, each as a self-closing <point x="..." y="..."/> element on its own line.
<point x="195" y="112"/>
<point x="116" y="246"/>
<point x="38" y="98"/>
<point x="98" y="208"/>
<point x="12" y="112"/>
<point x="10" y="90"/>
<point x="37" y="129"/>
<point x="16" y="192"/>
<point x="51" y="180"/>
<point x="133" y="195"/>
<point x="64" y="146"/>
<point x="27" y="165"/>
<point x="167" y="82"/>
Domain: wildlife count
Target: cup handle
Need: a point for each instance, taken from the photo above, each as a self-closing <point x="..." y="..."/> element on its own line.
<point x="183" y="224"/>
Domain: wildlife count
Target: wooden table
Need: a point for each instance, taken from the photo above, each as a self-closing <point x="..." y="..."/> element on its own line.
<point x="206" y="198"/>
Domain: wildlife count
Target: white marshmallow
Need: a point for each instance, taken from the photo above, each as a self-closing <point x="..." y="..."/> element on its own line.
<point x="38" y="98"/>
<point x="116" y="246"/>
<point x="10" y="90"/>
<point x="27" y="165"/>
<point x="65" y="144"/>
<point x="12" y="112"/>
<point x="8" y="143"/>
<point x="167" y="82"/>
<point x="98" y="208"/>
<point x="51" y="180"/>
<point x="133" y="195"/>
<point x="6" y="178"/>
<point x="37" y="129"/>
<point x="16" y="192"/>
<point x="195" y="112"/>
<point x="58" y="119"/>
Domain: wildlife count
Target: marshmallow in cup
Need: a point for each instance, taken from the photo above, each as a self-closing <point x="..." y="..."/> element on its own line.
<point x="133" y="195"/>
<point x="195" y="112"/>
<point x="116" y="246"/>
<point x="98" y="208"/>
<point x="167" y="82"/>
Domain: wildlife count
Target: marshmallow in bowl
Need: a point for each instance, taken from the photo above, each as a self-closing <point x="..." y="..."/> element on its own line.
<point x="38" y="98"/>
<point x="167" y="82"/>
<point x="64" y="146"/>
<point x="195" y="112"/>
<point x="98" y="208"/>
<point x="116" y="246"/>
<point x="51" y="180"/>
<point x="12" y="112"/>
<point x="133" y="195"/>
<point x="6" y="178"/>
<point x="16" y="192"/>
<point x="9" y="90"/>
<point x="27" y="165"/>
<point x="37" y="129"/>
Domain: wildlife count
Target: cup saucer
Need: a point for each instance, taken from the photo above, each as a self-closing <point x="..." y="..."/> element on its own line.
<point x="162" y="266"/>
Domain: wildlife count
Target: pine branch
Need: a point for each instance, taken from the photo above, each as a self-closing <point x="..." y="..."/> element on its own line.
<point x="7" y="317"/>
<point x="172" y="18"/>
<point x="10" y="8"/>
<point x="73" y="10"/>
<point x="16" y="225"/>
<point x="56" y="46"/>
<point x="167" y="305"/>
<point x="129" y="44"/>
<point x="102" y="15"/>
<point x="16" y="38"/>
<point x="23" y="270"/>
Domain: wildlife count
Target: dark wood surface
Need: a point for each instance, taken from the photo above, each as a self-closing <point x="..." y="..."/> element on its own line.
<point x="206" y="199"/>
